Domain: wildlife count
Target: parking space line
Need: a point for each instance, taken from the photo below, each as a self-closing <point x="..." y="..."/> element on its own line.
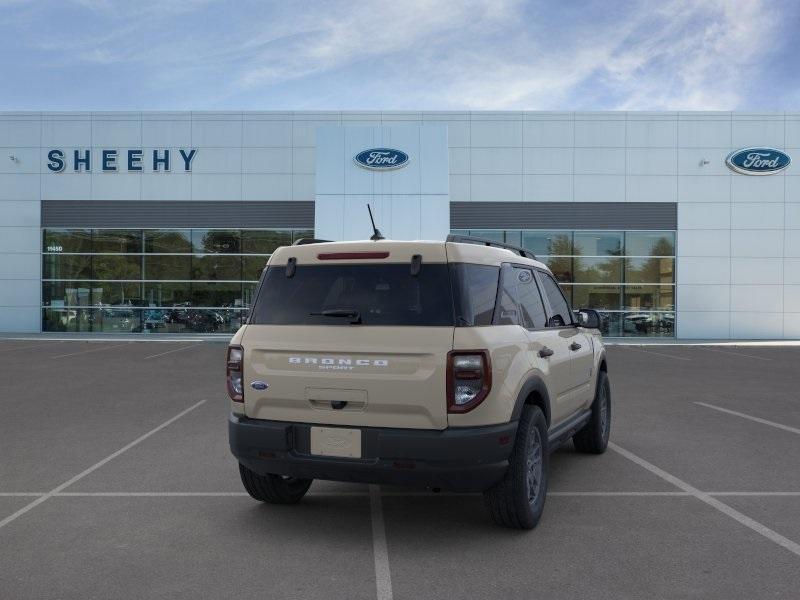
<point x="734" y="514"/>
<point x="383" y="578"/>
<point x="92" y="350"/>
<point x="392" y="494"/>
<point x="750" y="418"/>
<point x="734" y="353"/>
<point x="151" y="494"/>
<point x="658" y="353"/>
<point x="194" y="345"/>
<point x="757" y="494"/>
<point x="95" y="466"/>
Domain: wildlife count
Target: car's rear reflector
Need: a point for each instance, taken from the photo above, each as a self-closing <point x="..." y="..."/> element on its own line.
<point x="351" y="255"/>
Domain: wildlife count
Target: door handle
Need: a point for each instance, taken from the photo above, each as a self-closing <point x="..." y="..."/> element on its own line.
<point x="545" y="352"/>
<point x="574" y="346"/>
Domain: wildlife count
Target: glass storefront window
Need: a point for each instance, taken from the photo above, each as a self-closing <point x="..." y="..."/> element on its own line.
<point x="168" y="241"/>
<point x="116" y="240"/>
<point x="598" y="297"/>
<point x="67" y="240"/>
<point x="264" y="242"/>
<point x="168" y="267"/>
<point x="122" y="266"/>
<point x="649" y="297"/>
<point x="216" y="294"/>
<point x="166" y="280"/>
<point x="597" y="270"/>
<point x="225" y="241"/>
<point x="66" y="266"/>
<point x="650" y="243"/>
<point x="650" y="270"/>
<point x="166" y="294"/>
<point x="598" y="243"/>
<point x="216" y="267"/>
<point x="548" y="243"/>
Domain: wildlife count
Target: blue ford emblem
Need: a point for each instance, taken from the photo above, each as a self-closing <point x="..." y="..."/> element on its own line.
<point x="381" y="159"/>
<point x="758" y="161"/>
<point x="259" y="385"/>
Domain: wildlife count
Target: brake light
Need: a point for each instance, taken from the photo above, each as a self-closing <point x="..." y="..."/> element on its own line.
<point x="234" y="373"/>
<point x="469" y="379"/>
<point x="351" y="255"/>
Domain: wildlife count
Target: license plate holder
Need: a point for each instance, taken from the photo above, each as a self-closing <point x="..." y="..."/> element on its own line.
<point x="336" y="441"/>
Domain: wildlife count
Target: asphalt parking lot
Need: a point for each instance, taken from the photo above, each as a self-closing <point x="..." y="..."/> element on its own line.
<point x="116" y="482"/>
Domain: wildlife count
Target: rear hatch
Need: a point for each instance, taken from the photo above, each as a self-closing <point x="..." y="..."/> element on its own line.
<point x="351" y="334"/>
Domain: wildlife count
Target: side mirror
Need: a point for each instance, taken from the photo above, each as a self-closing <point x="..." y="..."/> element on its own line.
<point x="588" y="318"/>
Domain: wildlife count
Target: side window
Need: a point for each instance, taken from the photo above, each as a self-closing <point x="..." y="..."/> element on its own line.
<point x="561" y="314"/>
<point x="474" y="292"/>
<point x="507" y="311"/>
<point x="530" y="301"/>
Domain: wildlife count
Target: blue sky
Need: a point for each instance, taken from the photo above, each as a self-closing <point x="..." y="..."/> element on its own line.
<point x="412" y="54"/>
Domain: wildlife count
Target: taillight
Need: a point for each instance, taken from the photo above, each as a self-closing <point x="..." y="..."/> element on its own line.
<point x="469" y="379"/>
<point x="235" y="373"/>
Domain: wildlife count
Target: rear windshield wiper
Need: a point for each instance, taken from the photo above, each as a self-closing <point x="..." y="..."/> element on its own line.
<point x="353" y="315"/>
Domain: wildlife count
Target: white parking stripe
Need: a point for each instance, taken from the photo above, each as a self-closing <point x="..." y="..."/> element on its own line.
<point x="756" y="494"/>
<point x="171" y="351"/>
<point x="658" y="353"/>
<point x="734" y="514"/>
<point x="95" y="466"/>
<point x="748" y="417"/>
<point x="734" y="353"/>
<point x="383" y="578"/>
<point x="92" y="350"/>
<point x="388" y="494"/>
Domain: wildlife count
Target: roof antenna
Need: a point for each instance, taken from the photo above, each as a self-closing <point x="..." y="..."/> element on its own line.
<point x="377" y="235"/>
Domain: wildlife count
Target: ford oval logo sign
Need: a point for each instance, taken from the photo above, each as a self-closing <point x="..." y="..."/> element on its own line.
<point x="259" y="385"/>
<point x="758" y="161"/>
<point x="381" y="159"/>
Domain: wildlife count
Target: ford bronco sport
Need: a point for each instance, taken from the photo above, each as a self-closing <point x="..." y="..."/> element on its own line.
<point x="453" y="365"/>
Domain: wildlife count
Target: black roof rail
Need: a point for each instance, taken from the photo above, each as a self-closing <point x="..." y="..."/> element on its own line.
<point x="468" y="239"/>
<point x="304" y="241"/>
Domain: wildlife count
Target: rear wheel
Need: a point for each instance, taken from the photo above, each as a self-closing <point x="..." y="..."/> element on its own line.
<point x="518" y="499"/>
<point x="274" y="489"/>
<point x="593" y="438"/>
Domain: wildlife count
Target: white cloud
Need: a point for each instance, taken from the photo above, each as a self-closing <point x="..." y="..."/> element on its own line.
<point x="474" y="54"/>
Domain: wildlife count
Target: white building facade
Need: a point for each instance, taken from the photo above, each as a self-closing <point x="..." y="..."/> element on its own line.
<point x="161" y="222"/>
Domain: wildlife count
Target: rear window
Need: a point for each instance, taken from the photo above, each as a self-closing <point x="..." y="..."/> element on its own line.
<point x="381" y="294"/>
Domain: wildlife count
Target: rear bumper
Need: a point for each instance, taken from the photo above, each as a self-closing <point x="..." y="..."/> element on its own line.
<point x="466" y="459"/>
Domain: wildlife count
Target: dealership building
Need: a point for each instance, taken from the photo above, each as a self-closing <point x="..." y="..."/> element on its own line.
<point x="671" y="224"/>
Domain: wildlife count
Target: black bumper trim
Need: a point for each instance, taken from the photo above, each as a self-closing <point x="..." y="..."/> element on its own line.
<point x="457" y="459"/>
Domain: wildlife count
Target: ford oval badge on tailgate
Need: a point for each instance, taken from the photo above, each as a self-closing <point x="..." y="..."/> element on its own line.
<point x="259" y="385"/>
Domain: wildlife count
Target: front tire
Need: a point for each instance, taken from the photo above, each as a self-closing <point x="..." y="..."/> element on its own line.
<point x="273" y="489"/>
<point x="593" y="438"/>
<point x="517" y="501"/>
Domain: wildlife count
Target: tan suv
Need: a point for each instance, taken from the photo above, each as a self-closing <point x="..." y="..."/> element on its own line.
<point x="452" y="365"/>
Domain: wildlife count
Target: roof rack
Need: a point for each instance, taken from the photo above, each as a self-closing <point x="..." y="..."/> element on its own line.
<point x="467" y="239"/>
<point x="304" y="241"/>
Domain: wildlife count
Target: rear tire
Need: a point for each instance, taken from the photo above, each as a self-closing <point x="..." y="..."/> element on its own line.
<point x="517" y="501"/>
<point x="273" y="489"/>
<point x="593" y="438"/>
